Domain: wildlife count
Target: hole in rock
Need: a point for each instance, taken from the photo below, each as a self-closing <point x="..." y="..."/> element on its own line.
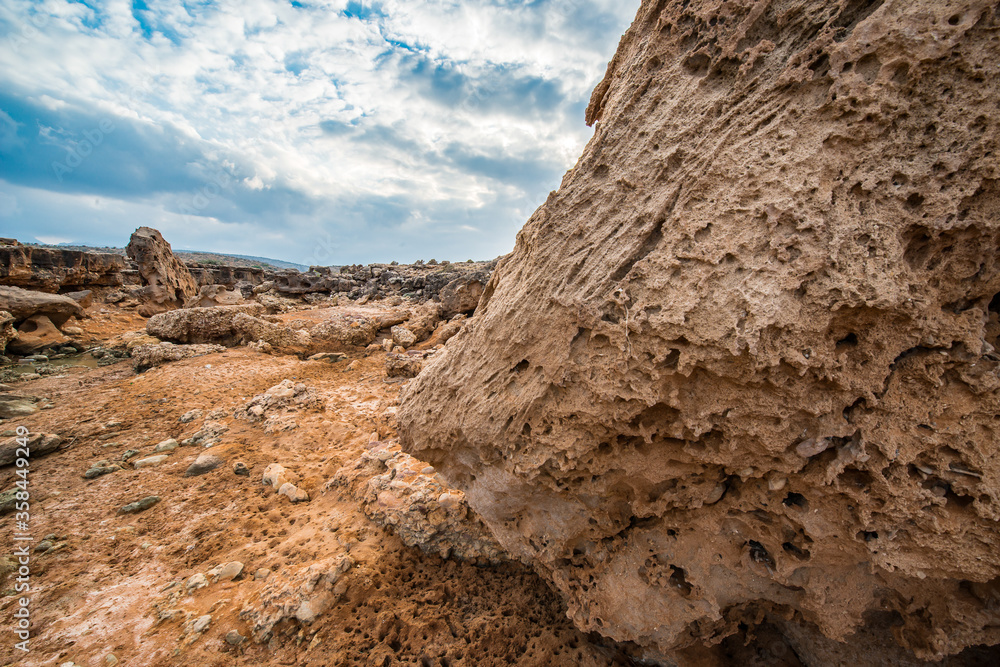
<point x="914" y="201"/>
<point x="795" y="552"/>
<point x="679" y="581"/>
<point x="850" y="340"/>
<point x="522" y="366"/>
<point x="795" y="500"/>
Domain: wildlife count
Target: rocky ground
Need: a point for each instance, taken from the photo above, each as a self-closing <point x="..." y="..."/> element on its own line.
<point x="128" y="585"/>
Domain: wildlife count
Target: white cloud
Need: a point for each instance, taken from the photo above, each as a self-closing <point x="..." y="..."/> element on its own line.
<point x="395" y="104"/>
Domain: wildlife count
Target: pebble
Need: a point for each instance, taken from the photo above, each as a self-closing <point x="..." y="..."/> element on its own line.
<point x="294" y="493"/>
<point x="139" y="505"/>
<point x="203" y="464"/>
<point x="230" y="571"/>
<point x="195" y="581"/>
<point x="111" y="660"/>
<point x="166" y="446"/>
<point x="241" y="469"/>
<point x="261" y="574"/>
<point x="98" y="471"/>
<point x="234" y="638"/>
<point x="150" y="461"/>
<point x="190" y="416"/>
<point x="202" y="623"/>
<point x="129" y="454"/>
<point x="44" y="545"/>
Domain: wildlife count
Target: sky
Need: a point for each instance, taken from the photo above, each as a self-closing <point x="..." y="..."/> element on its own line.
<point x="320" y="132"/>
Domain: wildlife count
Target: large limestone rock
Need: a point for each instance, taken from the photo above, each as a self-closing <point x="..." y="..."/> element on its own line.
<point x="168" y="282"/>
<point x="741" y="365"/>
<point x="201" y="325"/>
<point x="23" y="304"/>
<point x="36" y="334"/>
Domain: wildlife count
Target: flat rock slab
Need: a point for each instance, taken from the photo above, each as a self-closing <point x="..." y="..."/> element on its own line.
<point x="139" y="505"/>
<point x="203" y="464"/>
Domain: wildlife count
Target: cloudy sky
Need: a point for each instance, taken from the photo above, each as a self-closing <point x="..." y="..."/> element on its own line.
<point x="314" y="131"/>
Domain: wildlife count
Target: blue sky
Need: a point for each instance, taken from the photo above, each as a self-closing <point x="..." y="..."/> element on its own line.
<point x="314" y="131"/>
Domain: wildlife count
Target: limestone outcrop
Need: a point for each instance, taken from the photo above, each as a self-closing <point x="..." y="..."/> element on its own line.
<point x="168" y="283"/>
<point x="49" y="269"/>
<point x="742" y="365"/>
<point x="201" y="325"/>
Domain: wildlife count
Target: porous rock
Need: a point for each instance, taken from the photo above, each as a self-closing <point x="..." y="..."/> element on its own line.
<point x="784" y="229"/>
<point x="36" y="334"/>
<point x="201" y="325"/>
<point x="168" y="283"/>
<point x="149" y="356"/>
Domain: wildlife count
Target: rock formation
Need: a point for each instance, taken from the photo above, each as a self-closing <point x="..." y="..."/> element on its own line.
<point x="49" y="269"/>
<point x="742" y="365"/>
<point x="168" y="282"/>
<point x="7" y="332"/>
<point x="23" y="304"/>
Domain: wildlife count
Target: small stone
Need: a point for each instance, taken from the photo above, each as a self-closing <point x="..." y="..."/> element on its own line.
<point x="234" y="638"/>
<point x="44" y="545"/>
<point x="111" y="660"/>
<point x="98" y="471"/>
<point x="201" y="624"/>
<point x="166" y="446"/>
<point x="230" y="571"/>
<point x="195" y="581"/>
<point x="241" y="469"/>
<point x="261" y="574"/>
<point x="150" y="461"/>
<point x="203" y="464"/>
<point x="190" y="416"/>
<point x="139" y="505"/>
<point x="129" y="454"/>
<point x="274" y="476"/>
<point x="354" y="365"/>
<point x="294" y="493"/>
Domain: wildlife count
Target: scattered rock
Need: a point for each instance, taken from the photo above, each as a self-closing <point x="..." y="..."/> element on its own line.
<point x="403" y="365"/>
<point x="8" y="501"/>
<point x="129" y="453"/>
<point x="403" y="337"/>
<point x="241" y="469"/>
<point x="195" y="581"/>
<point x="203" y="464"/>
<point x="331" y="357"/>
<point x="139" y="505"/>
<point x="280" y="396"/>
<point x="101" y="469"/>
<point x="167" y="445"/>
<point x="261" y="574"/>
<point x="150" y="461"/>
<point x="7" y="331"/>
<point x="190" y="416"/>
<point x="201" y="624"/>
<point x="293" y="493"/>
<point x="228" y="572"/>
<point x="214" y="295"/>
<point x="234" y="638"/>
<point x="208" y="435"/>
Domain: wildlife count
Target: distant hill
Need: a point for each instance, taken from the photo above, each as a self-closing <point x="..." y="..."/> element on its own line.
<point x="194" y="257"/>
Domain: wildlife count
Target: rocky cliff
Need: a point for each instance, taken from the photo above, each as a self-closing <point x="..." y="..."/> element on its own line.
<point x="741" y="367"/>
<point x="49" y="269"/>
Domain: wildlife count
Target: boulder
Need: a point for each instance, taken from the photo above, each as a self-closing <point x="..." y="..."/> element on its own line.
<point x="342" y="330"/>
<point x="462" y="295"/>
<point x="742" y="364"/>
<point x="22" y="304"/>
<point x="402" y="336"/>
<point x="283" y="338"/>
<point x="84" y="297"/>
<point x="168" y="283"/>
<point x="36" y="334"/>
<point x="201" y="325"/>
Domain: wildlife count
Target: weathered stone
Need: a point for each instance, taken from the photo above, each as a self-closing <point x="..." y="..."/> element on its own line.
<point x="168" y="283"/>
<point x="214" y="295"/>
<point x="150" y="461"/>
<point x="784" y="228"/>
<point x="139" y="505"/>
<point x="403" y="365"/>
<point x="203" y="464"/>
<point x="35" y="334"/>
<point x="403" y="337"/>
<point x="7" y="330"/>
<point x="13" y="406"/>
<point x="201" y="325"/>
<point x="167" y="445"/>
<point x="22" y="304"/>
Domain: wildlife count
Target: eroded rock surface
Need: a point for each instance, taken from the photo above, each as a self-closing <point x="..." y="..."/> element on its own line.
<point x="168" y="282"/>
<point x="742" y="364"/>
